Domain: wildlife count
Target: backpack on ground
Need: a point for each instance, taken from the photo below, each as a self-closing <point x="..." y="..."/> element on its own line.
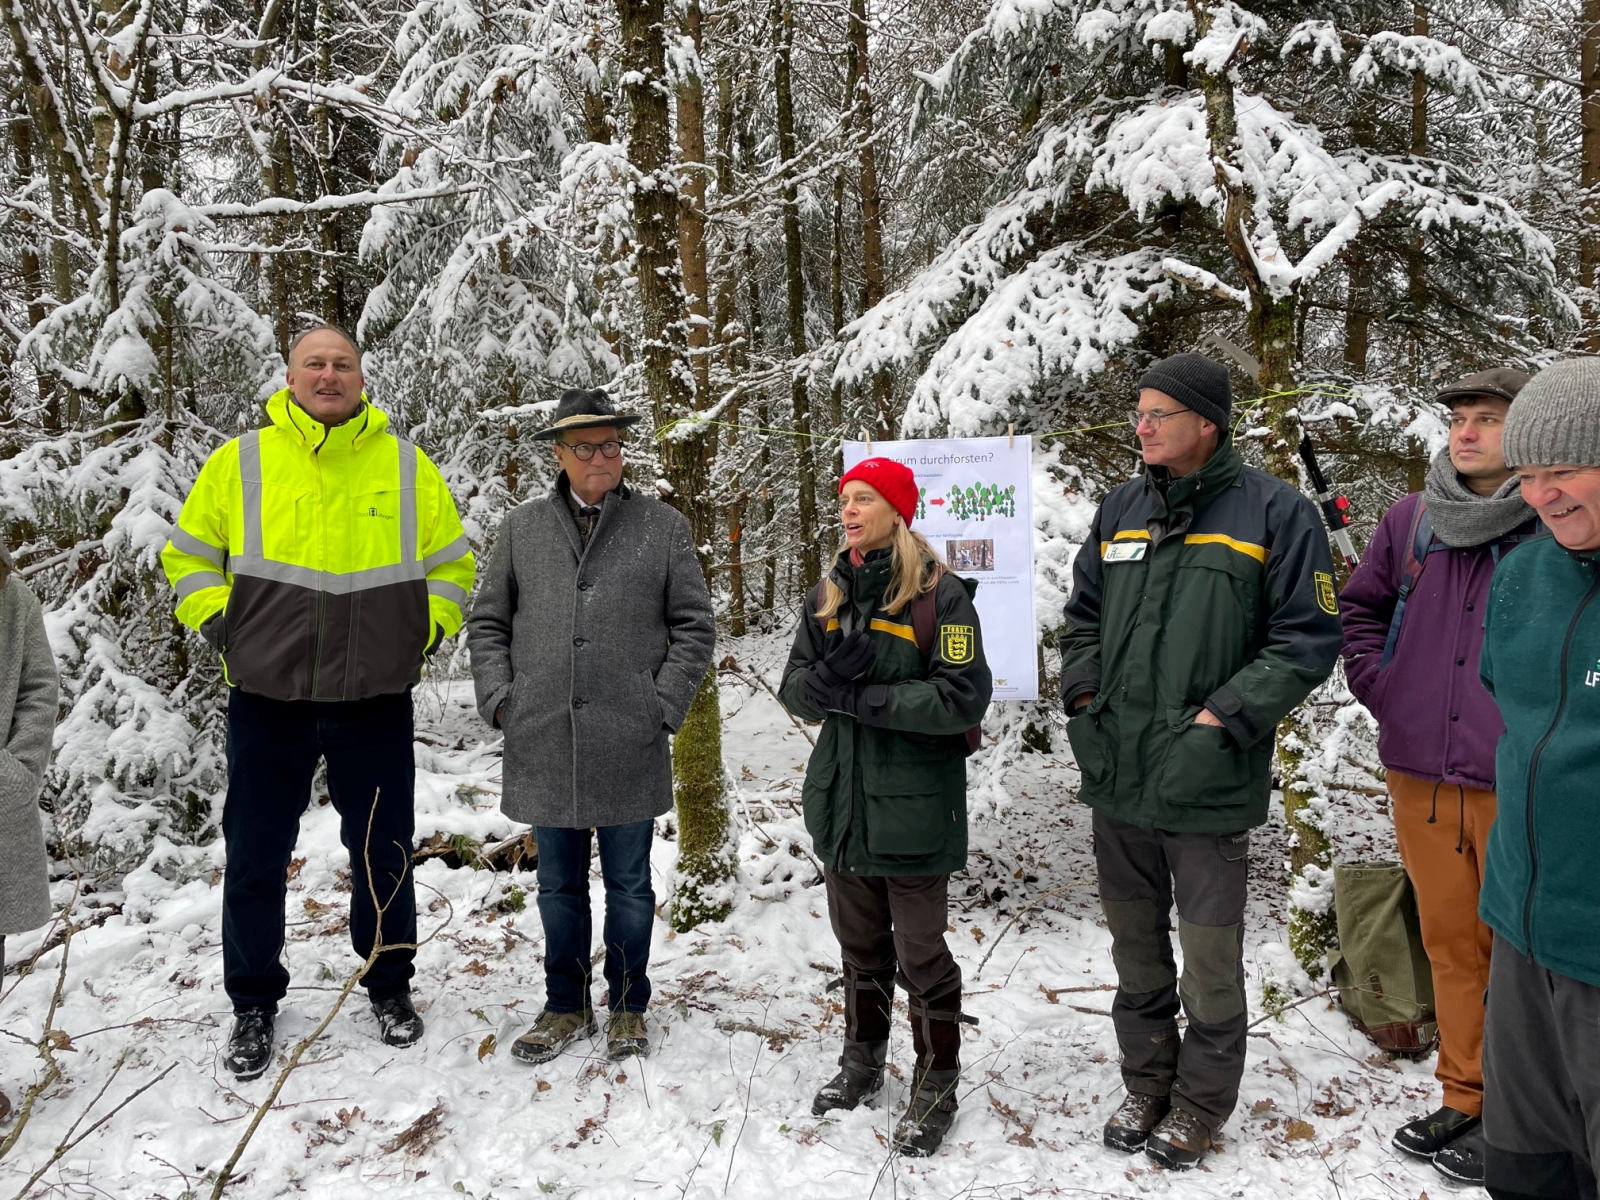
<point x="1380" y="970"/>
<point x="925" y="625"/>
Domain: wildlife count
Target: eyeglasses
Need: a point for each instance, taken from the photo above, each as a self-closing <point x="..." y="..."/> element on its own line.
<point x="1155" y="416"/>
<point x="584" y="451"/>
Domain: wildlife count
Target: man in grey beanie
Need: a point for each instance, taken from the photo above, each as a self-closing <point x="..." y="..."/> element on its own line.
<point x="1411" y="644"/>
<point x="1202" y="612"/>
<point x="1541" y="890"/>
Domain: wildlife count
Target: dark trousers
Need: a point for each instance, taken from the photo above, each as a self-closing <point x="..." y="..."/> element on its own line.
<point x="895" y="923"/>
<point x="569" y="929"/>
<point x="273" y="748"/>
<point x="1541" y="1082"/>
<point x="1142" y="871"/>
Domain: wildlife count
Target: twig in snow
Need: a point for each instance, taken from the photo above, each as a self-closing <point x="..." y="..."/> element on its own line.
<point x="1022" y="912"/>
<point x="742" y="674"/>
<point x="305" y="1043"/>
<point x="745" y="1119"/>
<point x="1277" y="1013"/>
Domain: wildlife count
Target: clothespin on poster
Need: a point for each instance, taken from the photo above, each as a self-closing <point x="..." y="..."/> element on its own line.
<point x="1011" y="436"/>
<point x="866" y="436"/>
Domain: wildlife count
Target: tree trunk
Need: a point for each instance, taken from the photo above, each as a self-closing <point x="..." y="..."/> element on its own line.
<point x="1589" y="238"/>
<point x="704" y="858"/>
<point x="692" y="209"/>
<point x="1271" y="321"/>
<point x="1416" y="257"/>
<point x="799" y="391"/>
<point x="871" y="205"/>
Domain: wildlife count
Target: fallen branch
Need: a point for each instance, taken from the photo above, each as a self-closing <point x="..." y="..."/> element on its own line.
<point x="1022" y="912"/>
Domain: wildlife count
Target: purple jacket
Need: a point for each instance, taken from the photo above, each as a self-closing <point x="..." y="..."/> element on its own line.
<point x="1435" y="720"/>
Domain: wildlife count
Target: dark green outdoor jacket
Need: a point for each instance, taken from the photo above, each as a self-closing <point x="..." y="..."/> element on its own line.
<point x="1214" y="590"/>
<point x="887" y="794"/>
<point x="1541" y="662"/>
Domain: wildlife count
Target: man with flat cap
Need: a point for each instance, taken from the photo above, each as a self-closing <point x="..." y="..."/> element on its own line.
<point x="589" y="638"/>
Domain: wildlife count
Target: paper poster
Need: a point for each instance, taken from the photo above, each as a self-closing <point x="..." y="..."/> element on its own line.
<point x="975" y="505"/>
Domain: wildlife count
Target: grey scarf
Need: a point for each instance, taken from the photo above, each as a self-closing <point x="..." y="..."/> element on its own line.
<point x="1463" y="518"/>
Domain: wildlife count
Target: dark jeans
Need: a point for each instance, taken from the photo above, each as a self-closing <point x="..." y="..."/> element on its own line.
<point x="273" y="748"/>
<point x="1541" y="1082"/>
<point x="568" y="928"/>
<point x="1141" y="872"/>
<point x="895" y="923"/>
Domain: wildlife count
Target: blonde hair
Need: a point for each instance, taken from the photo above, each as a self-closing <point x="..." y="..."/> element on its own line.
<point x="911" y="574"/>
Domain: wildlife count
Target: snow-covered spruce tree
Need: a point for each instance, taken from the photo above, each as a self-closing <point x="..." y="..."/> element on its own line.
<point x="1179" y="180"/>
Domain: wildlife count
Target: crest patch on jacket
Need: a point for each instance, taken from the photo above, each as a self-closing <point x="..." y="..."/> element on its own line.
<point x="955" y="643"/>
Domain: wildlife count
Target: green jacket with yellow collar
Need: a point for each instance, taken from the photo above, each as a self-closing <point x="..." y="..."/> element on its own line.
<point x="886" y="794"/>
<point x="1214" y="590"/>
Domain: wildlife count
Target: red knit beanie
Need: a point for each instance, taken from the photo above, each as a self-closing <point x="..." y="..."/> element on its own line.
<point x="891" y="480"/>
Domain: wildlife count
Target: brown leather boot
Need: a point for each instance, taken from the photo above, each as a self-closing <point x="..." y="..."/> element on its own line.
<point x="1180" y="1141"/>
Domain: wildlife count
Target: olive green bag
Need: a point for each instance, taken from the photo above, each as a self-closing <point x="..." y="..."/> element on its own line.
<point x="1380" y="969"/>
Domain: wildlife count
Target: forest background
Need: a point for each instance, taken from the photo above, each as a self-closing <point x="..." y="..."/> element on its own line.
<point x="769" y="224"/>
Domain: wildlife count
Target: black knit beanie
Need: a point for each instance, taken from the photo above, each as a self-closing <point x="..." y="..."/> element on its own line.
<point x="1196" y="382"/>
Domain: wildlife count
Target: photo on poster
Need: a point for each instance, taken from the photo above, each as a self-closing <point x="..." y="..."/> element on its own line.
<point x="969" y="554"/>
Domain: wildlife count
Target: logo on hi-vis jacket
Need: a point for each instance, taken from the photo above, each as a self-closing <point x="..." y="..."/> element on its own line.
<point x="1592" y="678"/>
<point x="1327" y="598"/>
<point x="955" y="643"/>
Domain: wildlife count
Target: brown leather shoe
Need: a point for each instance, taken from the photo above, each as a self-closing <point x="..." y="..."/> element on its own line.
<point x="1130" y="1126"/>
<point x="1180" y="1141"/>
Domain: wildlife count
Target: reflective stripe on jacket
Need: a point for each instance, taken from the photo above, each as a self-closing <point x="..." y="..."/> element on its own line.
<point x="1214" y="590"/>
<point x="334" y="557"/>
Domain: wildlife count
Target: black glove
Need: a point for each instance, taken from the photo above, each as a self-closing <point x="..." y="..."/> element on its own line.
<point x="830" y="697"/>
<point x="438" y="636"/>
<point x="849" y="660"/>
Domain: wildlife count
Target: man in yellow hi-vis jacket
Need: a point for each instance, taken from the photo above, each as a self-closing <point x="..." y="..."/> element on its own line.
<point x="323" y="558"/>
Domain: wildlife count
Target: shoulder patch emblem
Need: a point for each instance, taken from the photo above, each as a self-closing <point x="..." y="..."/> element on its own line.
<point x="1327" y="598"/>
<point x="955" y="643"/>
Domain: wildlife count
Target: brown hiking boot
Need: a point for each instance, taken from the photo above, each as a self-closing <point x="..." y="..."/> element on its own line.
<point x="1130" y="1125"/>
<point x="1179" y="1141"/>
<point x="552" y="1033"/>
<point x="626" y="1035"/>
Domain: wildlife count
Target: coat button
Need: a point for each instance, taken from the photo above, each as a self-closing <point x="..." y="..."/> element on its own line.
<point x="1461" y="662"/>
<point x="583" y="585"/>
<point x="1469" y="607"/>
<point x="577" y="702"/>
<point x="578" y="641"/>
<point x="1454" y="717"/>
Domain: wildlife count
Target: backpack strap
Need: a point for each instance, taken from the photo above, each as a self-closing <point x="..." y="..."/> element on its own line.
<point x="1419" y="544"/>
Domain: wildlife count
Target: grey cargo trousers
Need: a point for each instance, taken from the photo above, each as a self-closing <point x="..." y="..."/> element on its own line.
<point x="1141" y="872"/>
<point x="1541" y="1081"/>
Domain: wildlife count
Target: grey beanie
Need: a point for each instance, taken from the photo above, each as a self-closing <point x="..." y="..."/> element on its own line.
<point x="1196" y="382"/>
<point x="1556" y="418"/>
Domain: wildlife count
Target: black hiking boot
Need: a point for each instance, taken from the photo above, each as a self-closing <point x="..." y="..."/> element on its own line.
<point x="1462" y="1160"/>
<point x="1129" y="1127"/>
<point x="1426" y="1136"/>
<point x="1179" y="1141"/>
<point x="398" y="1022"/>
<point x="929" y="1115"/>
<point x="250" y="1043"/>
<point x="860" y="1077"/>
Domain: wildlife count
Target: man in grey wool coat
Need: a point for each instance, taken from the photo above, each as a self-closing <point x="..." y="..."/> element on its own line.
<point x="590" y="635"/>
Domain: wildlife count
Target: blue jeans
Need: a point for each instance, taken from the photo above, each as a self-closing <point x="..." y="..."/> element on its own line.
<point x="564" y="911"/>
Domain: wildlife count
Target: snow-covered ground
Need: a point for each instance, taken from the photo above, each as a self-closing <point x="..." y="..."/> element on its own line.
<point x="743" y="1031"/>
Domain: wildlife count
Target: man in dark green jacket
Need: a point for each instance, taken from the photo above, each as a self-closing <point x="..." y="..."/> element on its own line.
<point x="1203" y="611"/>
<point x="1541" y="884"/>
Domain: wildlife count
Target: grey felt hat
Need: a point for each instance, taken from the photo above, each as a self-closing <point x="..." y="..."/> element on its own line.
<point x="579" y="409"/>
<point x="1556" y="418"/>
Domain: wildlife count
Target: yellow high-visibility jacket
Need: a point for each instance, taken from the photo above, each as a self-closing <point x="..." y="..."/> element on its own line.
<point x="331" y="557"/>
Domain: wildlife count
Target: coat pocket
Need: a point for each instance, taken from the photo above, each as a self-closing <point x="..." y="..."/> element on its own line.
<point x="650" y="702"/>
<point x="910" y="806"/>
<point x="1205" y="766"/>
<point x="1091" y="747"/>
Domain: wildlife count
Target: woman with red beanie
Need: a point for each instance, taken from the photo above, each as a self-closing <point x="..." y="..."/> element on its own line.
<point x="889" y="656"/>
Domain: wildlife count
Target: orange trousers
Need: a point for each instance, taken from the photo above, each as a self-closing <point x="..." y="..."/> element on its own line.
<point x="1443" y="833"/>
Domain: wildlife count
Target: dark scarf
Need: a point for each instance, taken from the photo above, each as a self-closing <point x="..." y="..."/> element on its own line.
<point x="1461" y="517"/>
